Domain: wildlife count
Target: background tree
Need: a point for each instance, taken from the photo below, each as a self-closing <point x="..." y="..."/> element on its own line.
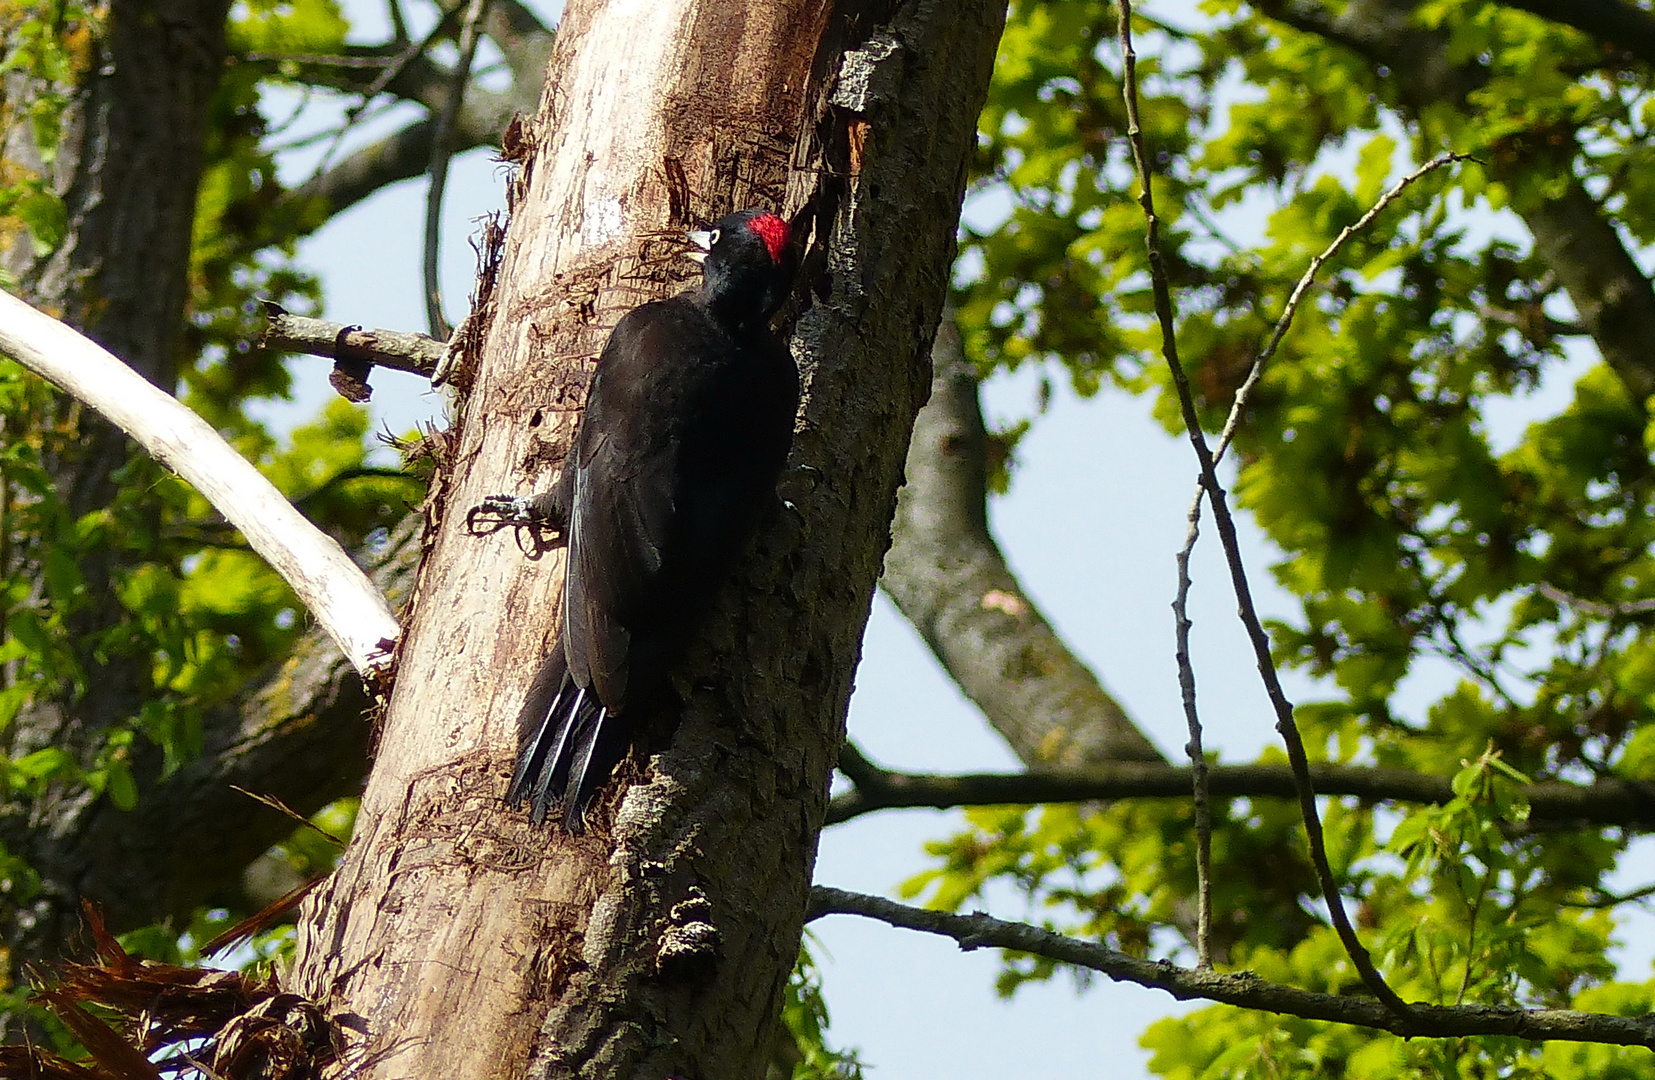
<point x="1419" y="537"/>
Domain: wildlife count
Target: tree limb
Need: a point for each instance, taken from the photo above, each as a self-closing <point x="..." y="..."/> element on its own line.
<point x="1243" y="989"/>
<point x="413" y="353"/>
<point x="1623" y="804"/>
<point x="327" y="582"/>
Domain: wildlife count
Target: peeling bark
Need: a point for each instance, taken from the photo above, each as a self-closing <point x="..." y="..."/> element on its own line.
<point x="457" y="939"/>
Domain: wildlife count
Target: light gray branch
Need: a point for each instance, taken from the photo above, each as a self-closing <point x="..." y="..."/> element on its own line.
<point x="327" y="582"/>
<point x="1243" y="988"/>
<point x="413" y="353"/>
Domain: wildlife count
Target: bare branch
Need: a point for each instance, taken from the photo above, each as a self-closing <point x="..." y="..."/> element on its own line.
<point x="405" y="71"/>
<point x="442" y="148"/>
<point x="1243" y="989"/>
<point x="1197" y="755"/>
<point x="1307" y="279"/>
<point x="401" y="155"/>
<point x="1227" y="534"/>
<point x="328" y="583"/>
<point x="1180" y="604"/>
<point x="1592" y="607"/>
<point x="413" y="353"/>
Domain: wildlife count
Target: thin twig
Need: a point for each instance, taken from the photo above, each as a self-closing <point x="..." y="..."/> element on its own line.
<point x="1232" y="421"/>
<point x="1593" y="607"/>
<point x="1198" y="757"/>
<point x="1244" y="989"/>
<point x="1232" y="548"/>
<point x="442" y="149"/>
<point x="399" y="23"/>
<point x="392" y="72"/>
<point x="290" y="813"/>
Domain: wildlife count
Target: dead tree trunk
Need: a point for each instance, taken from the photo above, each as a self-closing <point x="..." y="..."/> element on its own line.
<point x="459" y="941"/>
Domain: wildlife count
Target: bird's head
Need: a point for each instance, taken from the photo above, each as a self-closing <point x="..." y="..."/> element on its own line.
<point x="747" y="263"/>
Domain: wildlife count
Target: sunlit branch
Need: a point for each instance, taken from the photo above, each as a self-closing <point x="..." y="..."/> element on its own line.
<point x="353" y="349"/>
<point x="1243" y="988"/>
<point x="327" y="582"/>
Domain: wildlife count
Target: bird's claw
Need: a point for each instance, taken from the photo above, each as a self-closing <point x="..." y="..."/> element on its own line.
<point x="496" y="512"/>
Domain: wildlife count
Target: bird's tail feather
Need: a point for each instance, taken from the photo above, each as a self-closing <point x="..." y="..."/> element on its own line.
<point x="566" y="749"/>
<point x="583" y="778"/>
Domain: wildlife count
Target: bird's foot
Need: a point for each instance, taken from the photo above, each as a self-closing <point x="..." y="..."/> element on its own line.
<point x="497" y="512"/>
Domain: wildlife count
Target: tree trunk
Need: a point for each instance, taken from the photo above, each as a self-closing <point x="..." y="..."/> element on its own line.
<point x="458" y="940"/>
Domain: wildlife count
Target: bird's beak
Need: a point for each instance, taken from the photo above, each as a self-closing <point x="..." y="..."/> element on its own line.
<point x="703" y="241"/>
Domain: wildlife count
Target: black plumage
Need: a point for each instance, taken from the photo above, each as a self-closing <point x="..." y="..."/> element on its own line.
<point x="687" y="426"/>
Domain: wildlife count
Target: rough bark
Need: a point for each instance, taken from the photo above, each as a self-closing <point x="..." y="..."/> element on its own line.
<point x="456" y="938"/>
<point x="949" y="578"/>
<point x="127" y="170"/>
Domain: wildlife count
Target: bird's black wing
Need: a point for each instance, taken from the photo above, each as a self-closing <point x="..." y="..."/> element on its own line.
<point x="622" y="506"/>
<point x="621" y="479"/>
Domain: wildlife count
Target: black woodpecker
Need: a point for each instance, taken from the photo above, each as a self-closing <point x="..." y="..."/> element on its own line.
<point x="688" y="422"/>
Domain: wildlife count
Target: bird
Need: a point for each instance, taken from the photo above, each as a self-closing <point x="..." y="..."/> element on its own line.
<point x="688" y="424"/>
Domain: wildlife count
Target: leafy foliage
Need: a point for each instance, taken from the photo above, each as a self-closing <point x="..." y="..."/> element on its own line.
<point x="151" y="579"/>
<point x="805" y="1020"/>
<point x="1416" y="530"/>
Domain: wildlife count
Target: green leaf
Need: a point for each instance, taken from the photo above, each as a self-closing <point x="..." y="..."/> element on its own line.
<point x="120" y="786"/>
<point x="51" y="763"/>
<point x="46" y="218"/>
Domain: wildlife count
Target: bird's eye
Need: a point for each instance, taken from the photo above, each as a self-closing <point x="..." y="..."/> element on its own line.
<point x="712" y="237"/>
